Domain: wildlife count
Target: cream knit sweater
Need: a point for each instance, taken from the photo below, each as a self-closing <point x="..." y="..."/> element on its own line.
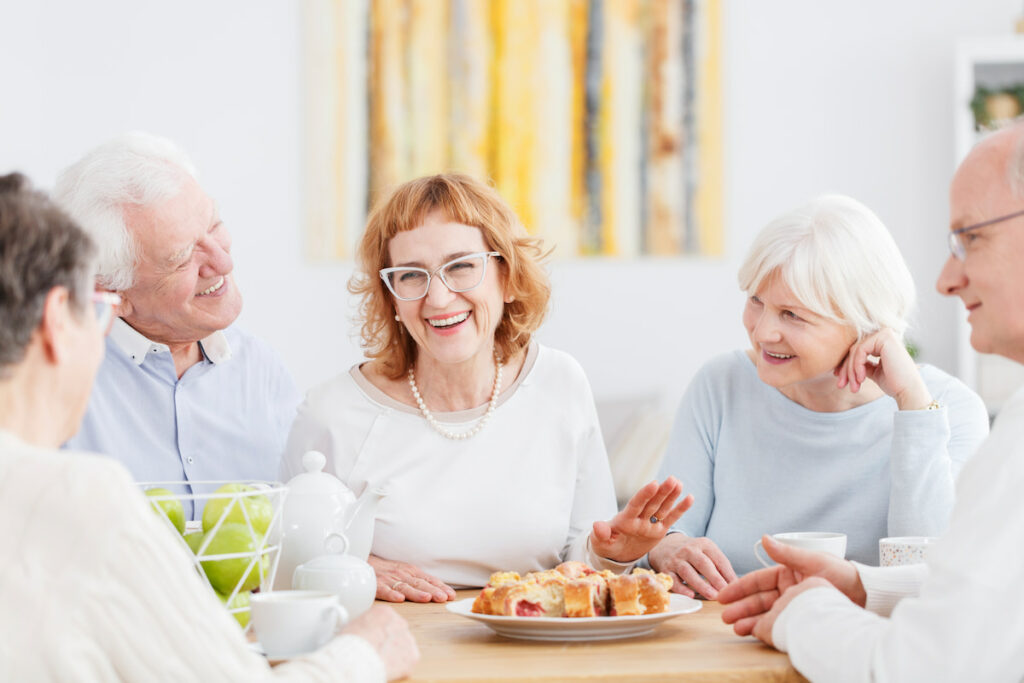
<point x="93" y="587"/>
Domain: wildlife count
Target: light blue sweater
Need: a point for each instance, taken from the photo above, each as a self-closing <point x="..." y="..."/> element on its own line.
<point x="757" y="462"/>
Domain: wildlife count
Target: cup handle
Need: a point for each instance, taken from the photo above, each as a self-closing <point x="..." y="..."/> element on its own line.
<point x="340" y="616"/>
<point x="337" y="616"/>
<point x="764" y="562"/>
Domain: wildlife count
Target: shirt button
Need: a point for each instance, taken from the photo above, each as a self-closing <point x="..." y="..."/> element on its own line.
<point x="190" y="460"/>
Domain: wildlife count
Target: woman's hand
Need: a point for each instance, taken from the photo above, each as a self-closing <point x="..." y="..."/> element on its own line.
<point x="644" y="521"/>
<point x="400" y="581"/>
<point x="389" y="635"/>
<point x="757" y="595"/>
<point x="695" y="564"/>
<point x="895" y="372"/>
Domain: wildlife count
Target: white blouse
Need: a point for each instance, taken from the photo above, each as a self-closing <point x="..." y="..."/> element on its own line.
<point x="522" y="494"/>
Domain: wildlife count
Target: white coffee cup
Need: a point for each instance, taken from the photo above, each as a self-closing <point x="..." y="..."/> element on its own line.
<point x="903" y="550"/>
<point x="290" y="622"/>
<point x="822" y="541"/>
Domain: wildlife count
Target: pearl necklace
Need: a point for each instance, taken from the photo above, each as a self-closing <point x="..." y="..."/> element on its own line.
<point x="457" y="436"/>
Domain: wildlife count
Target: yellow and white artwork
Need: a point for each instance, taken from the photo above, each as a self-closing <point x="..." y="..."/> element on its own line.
<point x="598" y="120"/>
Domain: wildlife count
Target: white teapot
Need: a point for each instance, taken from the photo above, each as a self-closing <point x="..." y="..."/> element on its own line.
<point x="317" y="507"/>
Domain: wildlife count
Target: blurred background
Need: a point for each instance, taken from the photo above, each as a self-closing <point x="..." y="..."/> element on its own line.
<point x="864" y="98"/>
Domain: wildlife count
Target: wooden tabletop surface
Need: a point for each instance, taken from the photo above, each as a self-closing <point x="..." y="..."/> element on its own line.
<point x="690" y="647"/>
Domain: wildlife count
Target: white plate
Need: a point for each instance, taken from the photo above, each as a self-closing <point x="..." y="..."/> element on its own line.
<point x="586" y="628"/>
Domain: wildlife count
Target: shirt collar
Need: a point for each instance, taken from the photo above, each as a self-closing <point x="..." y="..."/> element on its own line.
<point x="136" y="346"/>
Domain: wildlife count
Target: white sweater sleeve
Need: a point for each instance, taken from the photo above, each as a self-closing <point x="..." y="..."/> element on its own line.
<point x="886" y="586"/>
<point x="594" y="496"/>
<point x="131" y="605"/>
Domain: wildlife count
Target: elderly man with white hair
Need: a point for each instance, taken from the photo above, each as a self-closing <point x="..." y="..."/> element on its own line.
<point x="182" y="394"/>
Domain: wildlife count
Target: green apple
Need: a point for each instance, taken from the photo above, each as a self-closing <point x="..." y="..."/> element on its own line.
<point x="241" y="600"/>
<point x="258" y="507"/>
<point x="226" y="573"/>
<point x="170" y="508"/>
<point x="194" y="540"/>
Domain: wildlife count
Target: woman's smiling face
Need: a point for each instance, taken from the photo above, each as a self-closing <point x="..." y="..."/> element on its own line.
<point x="448" y="327"/>
<point x="793" y="346"/>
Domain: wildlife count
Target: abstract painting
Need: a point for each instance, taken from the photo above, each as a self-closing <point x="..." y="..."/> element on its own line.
<point x="598" y="120"/>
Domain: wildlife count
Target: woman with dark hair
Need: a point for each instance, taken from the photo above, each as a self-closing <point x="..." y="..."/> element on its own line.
<point x="486" y="441"/>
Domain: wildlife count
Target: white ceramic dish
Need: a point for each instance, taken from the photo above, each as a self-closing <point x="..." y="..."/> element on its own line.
<point x="589" y="628"/>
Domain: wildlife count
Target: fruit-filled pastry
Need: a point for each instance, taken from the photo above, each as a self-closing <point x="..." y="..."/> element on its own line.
<point x="574" y="590"/>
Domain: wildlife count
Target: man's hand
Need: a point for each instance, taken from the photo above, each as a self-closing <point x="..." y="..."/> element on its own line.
<point x="695" y="564"/>
<point x="754" y="595"/>
<point x="763" y="625"/>
<point x="389" y="635"/>
<point x="644" y="521"/>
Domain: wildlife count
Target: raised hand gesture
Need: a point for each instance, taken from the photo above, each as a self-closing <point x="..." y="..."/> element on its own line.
<point x="644" y="521"/>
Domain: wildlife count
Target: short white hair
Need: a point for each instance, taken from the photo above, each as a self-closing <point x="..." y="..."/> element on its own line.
<point x="839" y="260"/>
<point x="136" y="169"/>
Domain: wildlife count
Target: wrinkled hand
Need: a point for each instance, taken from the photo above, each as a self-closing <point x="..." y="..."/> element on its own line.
<point x="629" y="535"/>
<point x="895" y="372"/>
<point x="695" y="564"/>
<point x="762" y="629"/>
<point x="389" y="635"/>
<point x="750" y="598"/>
<point x="400" y="581"/>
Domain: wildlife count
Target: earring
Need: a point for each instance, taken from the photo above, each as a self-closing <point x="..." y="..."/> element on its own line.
<point x="397" y="318"/>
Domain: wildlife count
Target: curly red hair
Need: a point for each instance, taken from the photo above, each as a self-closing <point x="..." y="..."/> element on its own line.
<point x="465" y="200"/>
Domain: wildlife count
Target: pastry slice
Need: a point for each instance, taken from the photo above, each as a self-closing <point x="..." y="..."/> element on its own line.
<point x="545" y="576"/>
<point x="534" y="599"/>
<point x="574" y="570"/>
<point x="654" y="596"/>
<point x="484" y="603"/>
<point x="624" y="596"/>
<point x="587" y="597"/>
<point x="664" y="579"/>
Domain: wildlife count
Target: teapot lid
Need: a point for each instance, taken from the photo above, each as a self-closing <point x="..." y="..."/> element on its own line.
<point x="314" y="481"/>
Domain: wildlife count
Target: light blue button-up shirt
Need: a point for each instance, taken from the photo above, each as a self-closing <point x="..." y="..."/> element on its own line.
<point x="227" y="418"/>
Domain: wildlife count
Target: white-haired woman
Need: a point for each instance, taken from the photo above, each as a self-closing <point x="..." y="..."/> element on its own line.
<point x="826" y="423"/>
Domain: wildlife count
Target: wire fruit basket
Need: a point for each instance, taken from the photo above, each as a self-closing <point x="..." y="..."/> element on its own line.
<point x="232" y="530"/>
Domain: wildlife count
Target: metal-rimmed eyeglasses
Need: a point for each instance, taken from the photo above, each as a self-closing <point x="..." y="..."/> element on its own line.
<point x="104" y="303"/>
<point x="459" y="275"/>
<point x="956" y="242"/>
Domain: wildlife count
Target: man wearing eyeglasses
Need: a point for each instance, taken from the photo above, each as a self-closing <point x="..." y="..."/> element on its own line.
<point x="958" y="617"/>
<point x="182" y="394"/>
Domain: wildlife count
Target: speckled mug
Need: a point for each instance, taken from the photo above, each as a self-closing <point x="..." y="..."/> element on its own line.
<point x="899" y="550"/>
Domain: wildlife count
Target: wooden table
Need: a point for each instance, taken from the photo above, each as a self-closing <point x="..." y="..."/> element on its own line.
<point x="690" y="647"/>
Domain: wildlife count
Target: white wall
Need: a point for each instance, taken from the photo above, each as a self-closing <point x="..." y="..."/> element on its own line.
<point x="820" y="96"/>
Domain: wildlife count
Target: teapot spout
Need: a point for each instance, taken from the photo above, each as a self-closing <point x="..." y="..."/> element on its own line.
<point x="359" y="529"/>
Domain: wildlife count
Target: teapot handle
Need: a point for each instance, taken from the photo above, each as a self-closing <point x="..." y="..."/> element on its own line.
<point x="334" y="541"/>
